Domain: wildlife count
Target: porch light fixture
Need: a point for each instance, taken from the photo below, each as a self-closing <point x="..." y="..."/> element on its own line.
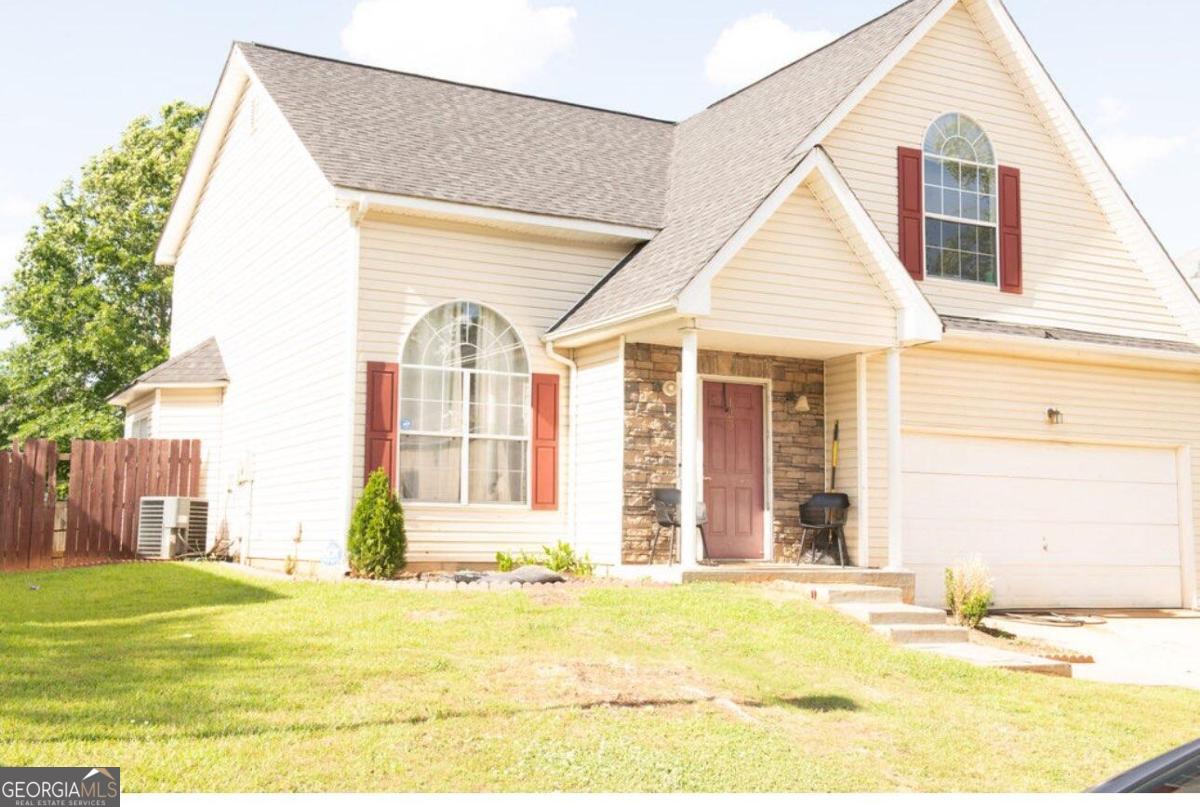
<point x="669" y="388"/>
<point x="1054" y="416"/>
<point x="797" y="402"/>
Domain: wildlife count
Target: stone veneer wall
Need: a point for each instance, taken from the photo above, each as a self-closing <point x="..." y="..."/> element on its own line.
<point x="650" y="422"/>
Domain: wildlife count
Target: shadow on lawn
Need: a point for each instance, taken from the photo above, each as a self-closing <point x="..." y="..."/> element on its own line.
<point x="98" y="651"/>
<point x="257" y="728"/>
<point x="821" y="703"/>
<point x="119" y="591"/>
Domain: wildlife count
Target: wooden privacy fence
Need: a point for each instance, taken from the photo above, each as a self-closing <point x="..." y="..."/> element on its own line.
<point x="28" y="492"/>
<point x="106" y="482"/>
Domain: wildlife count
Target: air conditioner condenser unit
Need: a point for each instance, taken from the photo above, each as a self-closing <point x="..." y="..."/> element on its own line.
<point x="171" y="526"/>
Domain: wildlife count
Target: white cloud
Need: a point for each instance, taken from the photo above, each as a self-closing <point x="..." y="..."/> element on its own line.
<point x="1112" y="111"/>
<point x="754" y="46"/>
<point x="498" y="43"/>
<point x="1130" y="154"/>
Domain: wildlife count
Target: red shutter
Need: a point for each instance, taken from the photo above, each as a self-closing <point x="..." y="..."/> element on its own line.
<point x="382" y="402"/>
<point x="545" y="441"/>
<point x="912" y="211"/>
<point x="1010" y="229"/>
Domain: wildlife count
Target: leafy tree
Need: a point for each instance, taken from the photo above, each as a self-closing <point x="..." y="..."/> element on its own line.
<point x="94" y="309"/>
<point x="377" y="543"/>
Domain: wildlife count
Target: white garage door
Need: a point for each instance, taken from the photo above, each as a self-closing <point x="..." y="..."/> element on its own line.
<point x="1058" y="525"/>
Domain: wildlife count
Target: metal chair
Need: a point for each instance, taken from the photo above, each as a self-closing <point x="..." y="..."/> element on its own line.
<point x="666" y="514"/>
<point x="824" y="515"/>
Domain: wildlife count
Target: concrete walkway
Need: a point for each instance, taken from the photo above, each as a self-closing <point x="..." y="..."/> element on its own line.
<point x="924" y="629"/>
<point x="1131" y="647"/>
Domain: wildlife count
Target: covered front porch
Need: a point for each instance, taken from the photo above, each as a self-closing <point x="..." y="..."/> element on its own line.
<point x="733" y="386"/>
<point x="747" y="438"/>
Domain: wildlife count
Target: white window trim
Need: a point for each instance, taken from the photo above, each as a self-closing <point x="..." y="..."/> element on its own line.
<point x="995" y="225"/>
<point x="465" y="435"/>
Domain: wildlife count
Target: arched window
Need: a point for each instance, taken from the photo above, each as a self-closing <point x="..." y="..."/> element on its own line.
<point x="960" y="201"/>
<point x="464" y="408"/>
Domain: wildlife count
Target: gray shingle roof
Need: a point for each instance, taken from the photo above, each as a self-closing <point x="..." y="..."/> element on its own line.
<point x="698" y="180"/>
<point x="1064" y="334"/>
<point x="728" y="159"/>
<point x="380" y="130"/>
<point x="200" y="365"/>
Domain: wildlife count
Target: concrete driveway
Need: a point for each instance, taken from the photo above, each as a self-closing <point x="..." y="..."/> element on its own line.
<point x="1131" y="647"/>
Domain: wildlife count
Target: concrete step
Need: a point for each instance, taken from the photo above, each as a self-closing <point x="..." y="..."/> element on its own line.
<point x="924" y="634"/>
<point x="984" y="656"/>
<point x="888" y="613"/>
<point x="844" y="593"/>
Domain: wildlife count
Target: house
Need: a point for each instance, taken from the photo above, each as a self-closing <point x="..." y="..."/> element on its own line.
<point x="533" y="313"/>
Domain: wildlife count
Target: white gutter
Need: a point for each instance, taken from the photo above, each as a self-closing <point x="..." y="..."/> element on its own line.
<point x="1080" y="350"/>
<point x="439" y="207"/>
<point x="572" y="433"/>
<point x="138" y="389"/>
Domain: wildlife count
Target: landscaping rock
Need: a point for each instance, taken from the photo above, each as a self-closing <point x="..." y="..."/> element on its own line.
<point x="524" y="576"/>
<point x="527" y="575"/>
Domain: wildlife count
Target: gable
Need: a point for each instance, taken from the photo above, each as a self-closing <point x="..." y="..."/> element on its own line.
<point x="801" y="277"/>
<point x="1078" y="271"/>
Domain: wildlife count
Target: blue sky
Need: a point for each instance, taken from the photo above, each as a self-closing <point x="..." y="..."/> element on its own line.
<point x="76" y="72"/>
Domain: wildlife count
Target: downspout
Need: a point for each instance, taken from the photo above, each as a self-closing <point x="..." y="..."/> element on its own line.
<point x="572" y="433"/>
<point x="357" y="210"/>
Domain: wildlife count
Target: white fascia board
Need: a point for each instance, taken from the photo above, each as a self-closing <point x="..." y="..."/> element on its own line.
<point x="1068" y="349"/>
<point x="696" y="298"/>
<point x="615" y="325"/>
<point x="234" y="79"/>
<point x="1131" y="227"/>
<point x="494" y="215"/>
<point x="127" y="395"/>
<point x="839" y="113"/>
<point x="916" y="319"/>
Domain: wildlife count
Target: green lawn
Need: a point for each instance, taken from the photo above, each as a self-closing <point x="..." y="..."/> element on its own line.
<point x="196" y="677"/>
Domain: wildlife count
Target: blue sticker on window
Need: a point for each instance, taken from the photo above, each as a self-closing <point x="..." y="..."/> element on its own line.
<point x="405" y="424"/>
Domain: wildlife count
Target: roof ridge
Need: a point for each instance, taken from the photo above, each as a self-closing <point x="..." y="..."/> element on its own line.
<point x="452" y="82"/>
<point x="795" y="62"/>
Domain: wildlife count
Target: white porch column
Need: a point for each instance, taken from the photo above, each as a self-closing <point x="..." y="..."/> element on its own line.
<point x="862" y="440"/>
<point x="689" y="418"/>
<point x="895" y="463"/>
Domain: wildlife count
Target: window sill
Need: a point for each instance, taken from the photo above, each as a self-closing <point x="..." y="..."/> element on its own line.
<point x="993" y="285"/>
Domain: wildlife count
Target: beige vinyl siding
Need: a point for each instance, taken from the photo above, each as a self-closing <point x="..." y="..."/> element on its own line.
<point x="194" y="414"/>
<point x="410" y="265"/>
<point x="266" y="268"/>
<point x="991" y="395"/>
<point x="841" y="406"/>
<point x="601" y="450"/>
<point x="798" y="278"/>
<point x="1077" y="273"/>
<point x="143" y="406"/>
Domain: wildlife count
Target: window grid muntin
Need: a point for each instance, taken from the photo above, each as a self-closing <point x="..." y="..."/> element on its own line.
<point x="466" y="321"/>
<point x="972" y="265"/>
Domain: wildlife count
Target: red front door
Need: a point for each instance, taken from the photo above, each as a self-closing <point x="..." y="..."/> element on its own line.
<point x="733" y="469"/>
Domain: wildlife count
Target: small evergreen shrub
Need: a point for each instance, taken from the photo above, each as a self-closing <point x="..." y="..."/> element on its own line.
<point x="376" y="542"/>
<point x="559" y="558"/>
<point x="968" y="592"/>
